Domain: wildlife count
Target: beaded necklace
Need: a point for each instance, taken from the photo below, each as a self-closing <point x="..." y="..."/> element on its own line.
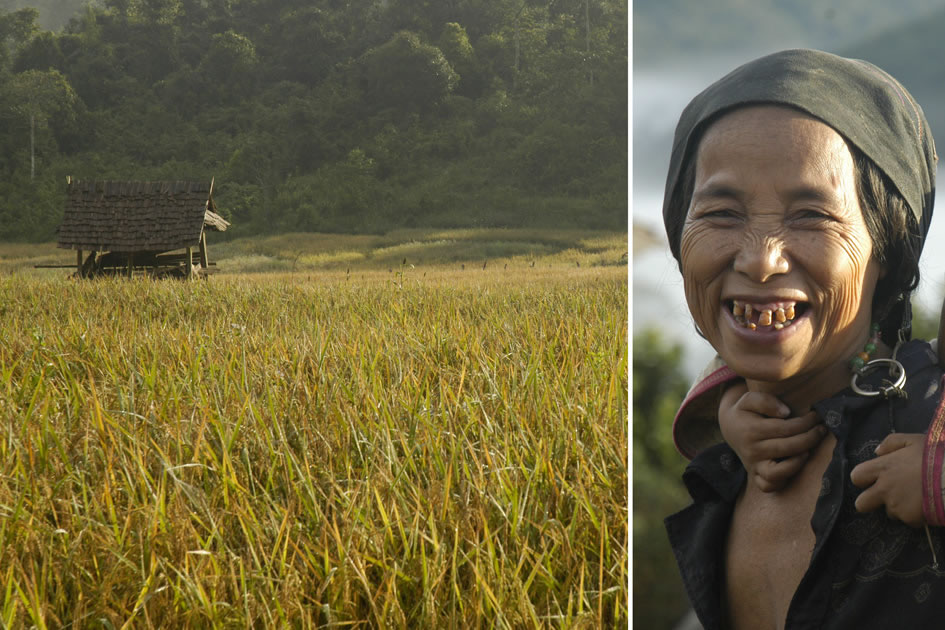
<point x="859" y="361"/>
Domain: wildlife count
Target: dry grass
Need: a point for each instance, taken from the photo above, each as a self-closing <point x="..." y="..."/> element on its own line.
<point x="408" y="449"/>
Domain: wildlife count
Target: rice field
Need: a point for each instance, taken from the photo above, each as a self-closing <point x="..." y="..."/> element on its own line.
<point x="407" y="448"/>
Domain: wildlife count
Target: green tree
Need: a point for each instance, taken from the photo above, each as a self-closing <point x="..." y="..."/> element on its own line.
<point x="16" y="30"/>
<point x="119" y="8"/>
<point x="350" y="197"/>
<point x="156" y="11"/>
<point x="455" y="44"/>
<point x="406" y="75"/>
<point x="658" y="388"/>
<point x="309" y="45"/>
<point x="41" y="53"/>
<point x="38" y="95"/>
<point x="229" y="65"/>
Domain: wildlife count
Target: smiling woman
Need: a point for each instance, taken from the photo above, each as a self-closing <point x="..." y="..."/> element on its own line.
<point x="799" y="193"/>
<point x="774" y="227"/>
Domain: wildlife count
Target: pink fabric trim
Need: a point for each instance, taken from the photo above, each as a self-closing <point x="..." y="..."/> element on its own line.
<point x="720" y="376"/>
<point x="933" y="455"/>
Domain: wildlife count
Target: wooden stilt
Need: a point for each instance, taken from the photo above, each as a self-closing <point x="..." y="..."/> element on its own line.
<point x="204" y="259"/>
<point x="131" y="265"/>
<point x="189" y="261"/>
<point x="78" y="262"/>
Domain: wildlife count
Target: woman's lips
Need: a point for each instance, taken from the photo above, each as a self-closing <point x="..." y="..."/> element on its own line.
<point x="764" y="316"/>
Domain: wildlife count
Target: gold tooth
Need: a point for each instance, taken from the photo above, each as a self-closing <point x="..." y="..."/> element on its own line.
<point x="779" y="315"/>
<point x="751" y="325"/>
<point x="789" y="312"/>
<point x="765" y="318"/>
<point x="737" y="309"/>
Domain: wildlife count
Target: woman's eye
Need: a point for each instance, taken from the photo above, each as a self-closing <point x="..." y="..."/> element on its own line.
<point x="813" y="215"/>
<point x="722" y="213"/>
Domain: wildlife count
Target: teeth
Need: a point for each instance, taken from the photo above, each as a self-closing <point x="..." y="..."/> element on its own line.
<point x="777" y="318"/>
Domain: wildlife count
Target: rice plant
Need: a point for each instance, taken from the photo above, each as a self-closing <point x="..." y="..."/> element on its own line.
<point x="409" y="449"/>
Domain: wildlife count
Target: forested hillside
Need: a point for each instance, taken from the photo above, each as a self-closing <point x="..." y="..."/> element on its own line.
<point x="345" y="116"/>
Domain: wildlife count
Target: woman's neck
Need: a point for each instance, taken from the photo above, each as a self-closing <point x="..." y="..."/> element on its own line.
<point x="800" y="393"/>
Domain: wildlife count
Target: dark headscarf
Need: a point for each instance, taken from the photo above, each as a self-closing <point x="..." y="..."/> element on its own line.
<point x="865" y="105"/>
<point x="861" y="102"/>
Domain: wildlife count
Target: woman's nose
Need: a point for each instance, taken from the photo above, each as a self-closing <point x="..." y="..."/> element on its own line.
<point x="761" y="258"/>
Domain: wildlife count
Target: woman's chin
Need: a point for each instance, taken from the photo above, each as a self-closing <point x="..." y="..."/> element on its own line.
<point x="769" y="357"/>
<point x="766" y="370"/>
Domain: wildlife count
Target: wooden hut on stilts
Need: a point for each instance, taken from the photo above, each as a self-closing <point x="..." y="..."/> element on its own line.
<point x="127" y="227"/>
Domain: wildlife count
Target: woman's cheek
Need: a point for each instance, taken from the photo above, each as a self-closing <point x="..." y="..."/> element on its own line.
<point x="703" y="310"/>
<point x="703" y="251"/>
<point x="701" y="261"/>
<point x="846" y="277"/>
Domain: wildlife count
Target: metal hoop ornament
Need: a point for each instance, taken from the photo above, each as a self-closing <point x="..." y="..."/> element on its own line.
<point x="896" y="370"/>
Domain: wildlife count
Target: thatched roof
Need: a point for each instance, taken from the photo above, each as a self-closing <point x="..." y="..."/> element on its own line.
<point x="137" y="216"/>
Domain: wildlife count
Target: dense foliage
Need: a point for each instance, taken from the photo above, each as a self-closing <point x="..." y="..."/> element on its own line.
<point x="346" y="116"/>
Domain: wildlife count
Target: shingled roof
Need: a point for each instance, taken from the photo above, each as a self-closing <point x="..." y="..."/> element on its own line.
<point x="137" y="216"/>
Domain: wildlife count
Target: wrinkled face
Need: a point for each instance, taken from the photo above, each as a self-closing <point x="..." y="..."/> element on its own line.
<point x="776" y="258"/>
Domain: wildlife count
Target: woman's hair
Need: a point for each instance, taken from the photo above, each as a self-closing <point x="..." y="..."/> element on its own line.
<point x="897" y="242"/>
<point x="891" y="225"/>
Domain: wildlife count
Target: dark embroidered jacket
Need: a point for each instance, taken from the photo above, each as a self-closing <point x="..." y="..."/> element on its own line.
<point x="866" y="571"/>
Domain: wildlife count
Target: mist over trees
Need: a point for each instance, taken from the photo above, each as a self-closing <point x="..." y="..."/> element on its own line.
<point x="347" y="116"/>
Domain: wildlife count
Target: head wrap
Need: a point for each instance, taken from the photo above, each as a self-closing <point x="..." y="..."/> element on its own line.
<point x="862" y="103"/>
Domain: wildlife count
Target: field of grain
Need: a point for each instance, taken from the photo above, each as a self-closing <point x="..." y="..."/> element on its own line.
<point x="405" y="448"/>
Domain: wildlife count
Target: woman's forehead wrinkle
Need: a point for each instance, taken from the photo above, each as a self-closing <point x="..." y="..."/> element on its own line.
<point x="813" y="153"/>
<point x="813" y="194"/>
<point x="716" y="191"/>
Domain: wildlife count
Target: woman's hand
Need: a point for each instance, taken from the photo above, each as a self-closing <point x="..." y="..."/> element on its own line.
<point x="893" y="479"/>
<point x="771" y="446"/>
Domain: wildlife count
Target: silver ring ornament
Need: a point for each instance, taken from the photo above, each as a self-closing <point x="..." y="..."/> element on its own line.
<point x="896" y="371"/>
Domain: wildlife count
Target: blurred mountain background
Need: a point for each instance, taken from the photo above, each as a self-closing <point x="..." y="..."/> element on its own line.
<point x="907" y="39"/>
